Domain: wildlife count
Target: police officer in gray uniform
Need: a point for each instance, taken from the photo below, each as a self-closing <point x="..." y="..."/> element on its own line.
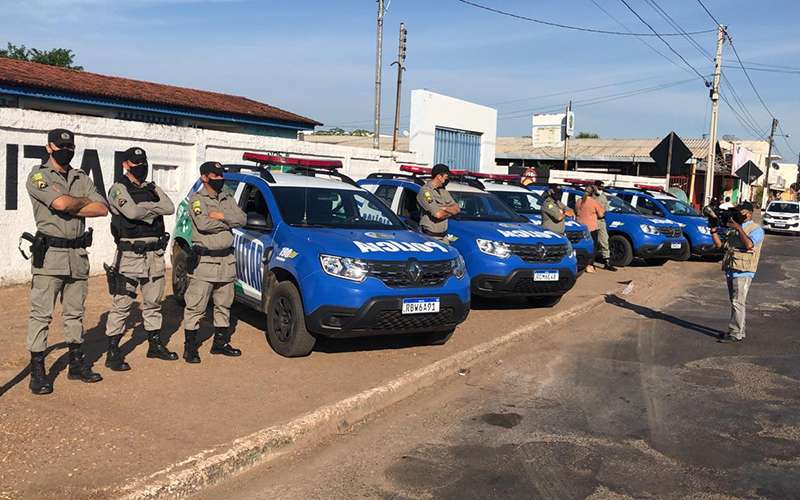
<point x="602" y="229"/>
<point x="137" y="209"/>
<point x="436" y="204"/>
<point x="554" y="212"/>
<point x="214" y="213"/>
<point x="62" y="198"/>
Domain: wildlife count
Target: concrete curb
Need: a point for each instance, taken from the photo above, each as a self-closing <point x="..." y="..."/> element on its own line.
<point x="219" y="463"/>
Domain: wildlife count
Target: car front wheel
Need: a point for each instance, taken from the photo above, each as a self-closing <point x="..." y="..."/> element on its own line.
<point x="286" y="325"/>
<point x="621" y="250"/>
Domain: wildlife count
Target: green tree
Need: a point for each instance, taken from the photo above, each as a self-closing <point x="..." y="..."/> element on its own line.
<point x="587" y="135"/>
<point x="63" y="58"/>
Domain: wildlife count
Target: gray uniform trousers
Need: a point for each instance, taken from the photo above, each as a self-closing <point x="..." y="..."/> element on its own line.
<point x="602" y="239"/>
<point x="197" y="296"/>
<point x="45" y="290"/>
<point x="152" y="295"/>
<point x="737" y="292"/>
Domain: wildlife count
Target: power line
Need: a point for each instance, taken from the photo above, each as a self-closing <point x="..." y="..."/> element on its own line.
<point x="786" y="139"/>
<point x="665" y="42"/>
<point x="767" y="70"/>
<point x="664" y="15"/>
<point x="569" y="27"/>
<point x="753" y="85"/>
<point x="709" y="12"/>
<point x="741" y="120"/>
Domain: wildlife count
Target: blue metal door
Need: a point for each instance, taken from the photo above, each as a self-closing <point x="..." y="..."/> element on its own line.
<point x="458" y="149"/>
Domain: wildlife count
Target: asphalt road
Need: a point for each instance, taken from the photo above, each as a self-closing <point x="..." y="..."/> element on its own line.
<point x="637" y="400"/>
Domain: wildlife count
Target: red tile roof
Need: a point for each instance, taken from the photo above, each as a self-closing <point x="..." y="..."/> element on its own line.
<point x="52" y="78"/>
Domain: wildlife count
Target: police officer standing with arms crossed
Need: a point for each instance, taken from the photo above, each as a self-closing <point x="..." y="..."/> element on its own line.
<point x="213" y="264"/>
<point x="62" y="198"/>
<point x="554" y="212"/>
<point x="137" y="209"/>
<point x="740" y="262"/>
<point x="436" y="203"/>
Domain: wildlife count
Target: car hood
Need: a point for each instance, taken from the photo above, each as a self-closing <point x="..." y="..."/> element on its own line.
<point x="373" y="244"/>
<point x="508" y="232"/>
<point x="690" y="221"/>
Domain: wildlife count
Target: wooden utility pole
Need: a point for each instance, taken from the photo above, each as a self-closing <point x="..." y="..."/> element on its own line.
<point x="711" y="158"/>
<point x="376" y="138"/>
<point x="400" y="62"/>
<point x="765" y="191"/>
<point x="566" y="136"/>
<point x="669" y="156"/>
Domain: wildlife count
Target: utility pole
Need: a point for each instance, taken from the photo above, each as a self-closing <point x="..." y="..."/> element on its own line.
<point x="566" y="136"/>
<point x="669" y="156"/>
<point x="711" y="158"/>
<point x="765" y="191"/>
<point x="376" y="138"/>
<point x="400" y="62"/>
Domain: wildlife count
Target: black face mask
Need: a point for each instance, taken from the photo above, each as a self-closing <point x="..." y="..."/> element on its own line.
<point x="63" y="156"/>
<point x="446" y="182"/>
<point x="139" y="171"/>
<point x="738" y="217"/>
<point x="555" y="194"/>
<point x="216" y="184"/>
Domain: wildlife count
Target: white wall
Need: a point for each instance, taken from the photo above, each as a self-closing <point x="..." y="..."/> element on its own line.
<point x="430" y="110"/>
<point x="166" y="146"/>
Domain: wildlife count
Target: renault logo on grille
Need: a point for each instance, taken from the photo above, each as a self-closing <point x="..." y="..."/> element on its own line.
<point x="414" y="270"/>
<point x="541" y="251"/>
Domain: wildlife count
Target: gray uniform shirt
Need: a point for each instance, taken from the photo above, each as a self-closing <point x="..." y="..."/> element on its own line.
<point x="45" y="185"/>
<point x="553" y="215"/>
<point x="215" y="234"/>
<point x="431" y="200"/>
<point x="601" y="197"/>
<point x="149" y="264"/>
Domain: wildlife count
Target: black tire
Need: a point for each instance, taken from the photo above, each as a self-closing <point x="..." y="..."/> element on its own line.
<point x="545" y="301"/>
<point x="286" y="325"/>
<point x="180" y="272"/>
<point x="438" y="338"/>
<point x="686" y="253"/>
<point x="656" y="261"/>
<point x="621" y="250"/>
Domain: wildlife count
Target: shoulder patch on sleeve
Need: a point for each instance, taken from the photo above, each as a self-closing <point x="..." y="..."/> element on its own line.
<point x="115" y="192"/>
<point x="196" y="207"/>
<point x="38" y="180"/>
<point x="427" y="196"/>
<point x="121" y="202"/>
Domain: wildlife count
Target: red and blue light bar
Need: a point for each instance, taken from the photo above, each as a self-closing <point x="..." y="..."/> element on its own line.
<point x="267" y="159"/>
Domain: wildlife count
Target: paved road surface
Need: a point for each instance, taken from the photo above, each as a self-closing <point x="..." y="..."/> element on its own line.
<point x="638" y="401"/>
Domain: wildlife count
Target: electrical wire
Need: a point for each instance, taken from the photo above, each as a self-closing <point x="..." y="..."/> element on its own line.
<point x="709" y="12"/>
<point x="665" y="42"/>
<point x="746" y="74"/>
<point x="569" y="27"/>
<point x="767" y="70"/>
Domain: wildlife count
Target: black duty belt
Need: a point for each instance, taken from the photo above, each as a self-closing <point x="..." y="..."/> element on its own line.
<point x="141" y="247"/>
<point x="83" y="241"/>
<point x="434" y="234"/>
<point x="205" y="252"/>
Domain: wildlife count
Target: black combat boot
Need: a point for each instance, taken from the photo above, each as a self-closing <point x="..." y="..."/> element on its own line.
<point x="78" y="370"/>
<point x="221" y="343"/>
<point x="39" y="383"/>
<point x="157" y="349"/>
<point x="114" y="358"/>
<point x="190" y="353"/>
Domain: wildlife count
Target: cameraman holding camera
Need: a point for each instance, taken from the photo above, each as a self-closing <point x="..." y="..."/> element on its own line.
<point x="742" y="251"/>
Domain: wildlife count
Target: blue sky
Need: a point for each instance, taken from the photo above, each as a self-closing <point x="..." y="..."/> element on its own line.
<point x="317" y="57"/>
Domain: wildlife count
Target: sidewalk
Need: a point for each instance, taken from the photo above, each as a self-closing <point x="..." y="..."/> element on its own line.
<point x="85" y="441"/>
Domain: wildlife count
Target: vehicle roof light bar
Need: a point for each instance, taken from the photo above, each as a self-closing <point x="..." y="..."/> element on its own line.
<point x="649" y="187"/>
<point x="415" y="169"/>
<point x="396" y="175"/>
<point x="268" y="159"/>
<point x="264" y="173"/>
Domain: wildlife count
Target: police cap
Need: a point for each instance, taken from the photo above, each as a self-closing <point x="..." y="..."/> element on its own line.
<point x="440" y="168"/>
<point x="211" y="167"/>
<point x="135" y="155"/>
<point x="61" y="137"/>
<point x="746" y="205"/>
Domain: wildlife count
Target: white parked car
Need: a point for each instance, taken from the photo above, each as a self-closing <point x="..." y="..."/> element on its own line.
<point x="782" y="216"/>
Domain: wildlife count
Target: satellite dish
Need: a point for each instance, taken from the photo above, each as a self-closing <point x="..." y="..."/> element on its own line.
<point x="678" y="193"/>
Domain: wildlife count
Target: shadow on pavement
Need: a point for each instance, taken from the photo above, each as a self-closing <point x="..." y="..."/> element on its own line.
<point x="653" y="314"/>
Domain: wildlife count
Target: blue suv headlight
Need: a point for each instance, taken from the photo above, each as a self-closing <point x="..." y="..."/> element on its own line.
<point x="570" y="249"/>
<point x="459" y="267"/>
<point x="344" y="267"/>
<point x="648" y="229"/>
<point x="494" y="248"/>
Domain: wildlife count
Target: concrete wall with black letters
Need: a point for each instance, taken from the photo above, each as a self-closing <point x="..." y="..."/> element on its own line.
<point x="175" y="153"/>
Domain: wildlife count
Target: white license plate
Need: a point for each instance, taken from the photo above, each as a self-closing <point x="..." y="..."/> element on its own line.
<point x="675" y="246"/>
<point x="420" y="306"/>
<point x="545" y="276"/>
<point x="779" y="225"/>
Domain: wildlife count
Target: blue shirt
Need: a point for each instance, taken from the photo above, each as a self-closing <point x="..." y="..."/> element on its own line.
<point x="757" y="236"/>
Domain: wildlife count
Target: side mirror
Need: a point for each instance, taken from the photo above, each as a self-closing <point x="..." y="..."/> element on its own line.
<point x="257" y="222"/>
<point x="658" y="213"/>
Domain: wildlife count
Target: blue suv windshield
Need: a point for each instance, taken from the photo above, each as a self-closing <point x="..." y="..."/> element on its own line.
<point x="484" y="207"/>
<point x="678" y="207"/>
<point x="522" y="203"/>
<point x="340" y="208"/>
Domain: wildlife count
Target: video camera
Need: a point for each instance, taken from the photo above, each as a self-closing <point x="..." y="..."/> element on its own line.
<point x="718" y="217"/>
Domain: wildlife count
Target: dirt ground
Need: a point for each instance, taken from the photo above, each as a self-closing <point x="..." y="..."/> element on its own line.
<point x="86" y="440"/>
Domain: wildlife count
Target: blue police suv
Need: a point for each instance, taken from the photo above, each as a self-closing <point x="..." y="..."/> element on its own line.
<point x="321" y="256"/>
<point x="529" y="204"/>
<point x="505" y="254"/>
<point x="632" y="234"/>
<point x="659" y="204"/>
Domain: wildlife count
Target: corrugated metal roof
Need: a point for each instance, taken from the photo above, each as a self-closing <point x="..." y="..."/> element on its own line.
<point x="592" y="149"/>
